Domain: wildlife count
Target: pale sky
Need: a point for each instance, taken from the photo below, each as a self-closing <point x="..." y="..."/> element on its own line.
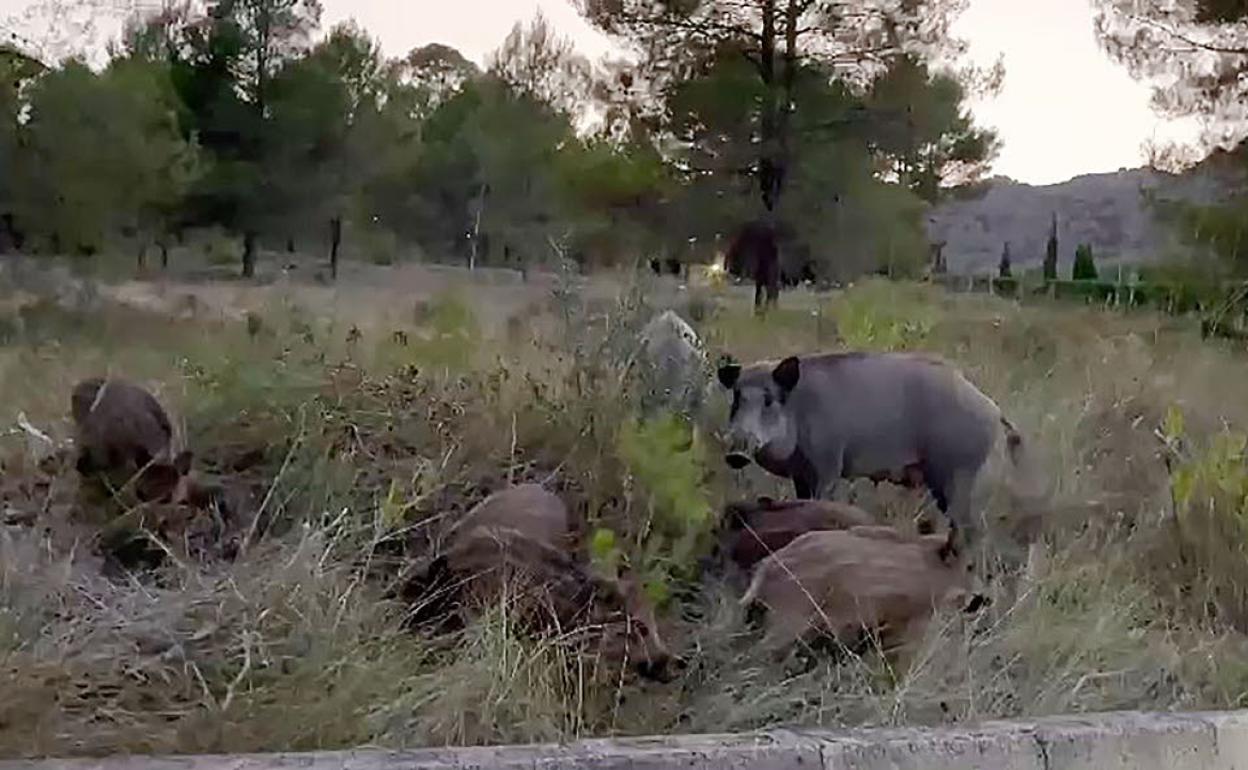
<point x="1065" y="110"/>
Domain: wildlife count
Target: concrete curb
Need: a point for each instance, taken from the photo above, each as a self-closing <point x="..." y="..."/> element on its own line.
<point x="1141" y="741"/>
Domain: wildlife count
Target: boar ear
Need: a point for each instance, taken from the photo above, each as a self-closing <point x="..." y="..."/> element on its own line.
<point x="787" y="373"/>
<point x="728" y="374"/>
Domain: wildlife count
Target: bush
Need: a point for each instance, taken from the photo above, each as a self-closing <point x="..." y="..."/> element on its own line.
<point x="666" y="460"/>
<point x="873" y="317"/>
<point x="221" y="248"/>
<point x="1209" y="489"/>
<point x="380" y="247"/>
<point x="449" y="335"/>
<point x="1085" y="267"/>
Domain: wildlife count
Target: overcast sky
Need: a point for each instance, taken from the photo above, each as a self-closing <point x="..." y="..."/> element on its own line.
<point x="1065" y="109"/>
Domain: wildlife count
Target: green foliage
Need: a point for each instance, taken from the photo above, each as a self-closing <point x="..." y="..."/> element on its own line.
<point x="380" y="247"/>
<point x="1209" y="489"/>
<point x="1050" y="253"/>
<point x="1220" y="229"/>
<point x="604" y="551"/>
<point x="841" y="216"/>
<point x="221" y="248"/>
<point x="920" y="125"/>
<point x="665" y="458"/>
<point x="872" y="316"/>
<point x="449" y="336"/>
<point x="1084" y="268"/>
<point x="238" y="114"/>
<point x="102" y="153"/>
<point x="612" y="193"/>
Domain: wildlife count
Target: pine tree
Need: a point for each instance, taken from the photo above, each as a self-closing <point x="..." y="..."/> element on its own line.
<point x="1085" y="267"/>
<point x="1050" y="254"/>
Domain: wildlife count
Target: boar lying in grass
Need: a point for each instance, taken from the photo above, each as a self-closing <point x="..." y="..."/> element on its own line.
<point x="754" y="530"/>
<point x="515" y="548"/>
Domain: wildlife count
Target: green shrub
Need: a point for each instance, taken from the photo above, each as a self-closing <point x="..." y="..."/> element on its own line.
<point x="665" y="459"/>
<point x="450" y="334"/>
<point x="1085" y="267"/>
<point x="220" y="248"/>
<point x="1209" y="492"/>
<point x="873" y="317"/>
<point x="380" y="247"/>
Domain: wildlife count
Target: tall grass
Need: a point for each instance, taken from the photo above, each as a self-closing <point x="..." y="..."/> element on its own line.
<point x="362" y="447"/>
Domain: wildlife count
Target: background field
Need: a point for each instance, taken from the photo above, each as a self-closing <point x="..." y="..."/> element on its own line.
<point x="1134" y="600"/>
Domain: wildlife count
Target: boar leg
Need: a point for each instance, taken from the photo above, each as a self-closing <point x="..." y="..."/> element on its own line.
<point x="816" y="482"/>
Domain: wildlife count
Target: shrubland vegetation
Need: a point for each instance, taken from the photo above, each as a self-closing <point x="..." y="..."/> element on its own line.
<point x="361" y="449"/>
<point x="360" y="427"/>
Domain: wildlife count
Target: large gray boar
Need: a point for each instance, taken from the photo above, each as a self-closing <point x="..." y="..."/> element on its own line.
<point x="910" y="419"/>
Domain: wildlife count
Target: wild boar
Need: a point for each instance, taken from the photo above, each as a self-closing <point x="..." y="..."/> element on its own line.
<point x="123" y="432"/>
<point x="900" y="417"/>
<point x="515" y="547"/>
<point x="873" y="580"/>
<point x="753" y="531"/>
<point x="526" y="508"/>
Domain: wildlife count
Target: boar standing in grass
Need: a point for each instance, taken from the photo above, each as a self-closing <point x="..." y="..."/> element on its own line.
<point x="673" y="364"/>
<point x="123" y="434"/>
<point x="885" y="416"/>
<point x="753" y="531"/>
<point x="515" y="548"/>
<point x="754" y="253"/>
<point x="873" y="580"/>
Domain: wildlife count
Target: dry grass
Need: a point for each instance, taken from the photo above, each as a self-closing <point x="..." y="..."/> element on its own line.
<point x="366" y="446"/>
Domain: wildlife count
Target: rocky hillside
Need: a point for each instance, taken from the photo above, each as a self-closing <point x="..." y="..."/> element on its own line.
<point x="1106" y="211"/>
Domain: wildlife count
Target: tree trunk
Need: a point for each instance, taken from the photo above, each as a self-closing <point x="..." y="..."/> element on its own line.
<point x="335" y="239"/>
<point x="164" y="254"/>
<point x="249" y="254"/>
<point x="290" y="245"/>
<point x="767" y="123"/>
<point x="783" y="118"/>
<point x="476" y="230"/>
<point x="142" y="255"/>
